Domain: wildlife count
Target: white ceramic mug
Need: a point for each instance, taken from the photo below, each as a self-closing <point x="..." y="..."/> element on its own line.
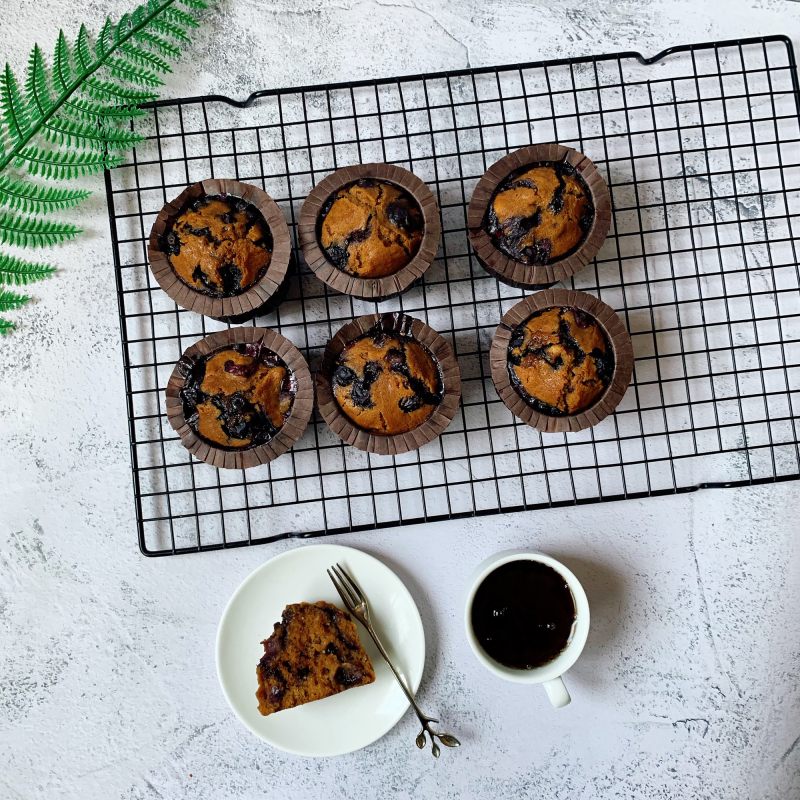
<point x="549" y="674"/>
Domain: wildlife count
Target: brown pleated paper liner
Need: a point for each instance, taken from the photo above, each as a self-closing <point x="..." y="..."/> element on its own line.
<point x="618" y="338"/>
<point x="294" y="424"/>
<point x="537" y="276"/>
<point x="263" y="294"/>
<point x="408" y="327"/>
<point x="375" y="289"/>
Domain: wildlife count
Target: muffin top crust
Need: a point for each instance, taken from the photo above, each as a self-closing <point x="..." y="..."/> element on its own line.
<point x="386" y="383"/>
<point x="370" y="228"/>
<point x="540" y="214"/>
<point x="237" y="397"/>
<point x="560" y="361"/>
<point x="219" y="245"/>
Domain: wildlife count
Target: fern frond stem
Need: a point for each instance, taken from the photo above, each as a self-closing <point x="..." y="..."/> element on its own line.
<point x="79" y="80"/>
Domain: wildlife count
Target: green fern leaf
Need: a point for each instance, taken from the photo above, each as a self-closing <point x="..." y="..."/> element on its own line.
<point x="144" y="58"/>
<point x="156" y="25"/>
<point x="83" y="50"/>
<point x="13" y="108"/>
<point x="33" y="198"/>
<point x="105" y="41"/>
<point x="140" y="12"/>
<point x="123" y="28"/>
<point x="132" y="73"/>
<point x="158" y="43"/>
<point x="118" y="138"/>
<point x="16" y="272"/>
<point x="114" y="93"/>
<point x="37" y="90"/>
<point x="69" y="133"/>
<point x="170" y="29"/>
<point x="11" y="300"/>
<point x="60" y="165"/>
<point x="62" y="65"/>
<point x="77" y="106"/>
<point x="181" y="18"/>
<point x="33" y="231"/>
<point x="85" y="108"/>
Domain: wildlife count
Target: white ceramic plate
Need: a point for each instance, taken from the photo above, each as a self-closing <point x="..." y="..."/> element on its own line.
<point x="349" y="720"/>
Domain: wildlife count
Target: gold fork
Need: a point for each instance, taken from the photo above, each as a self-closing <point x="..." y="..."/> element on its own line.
<point x="356" y="603"/>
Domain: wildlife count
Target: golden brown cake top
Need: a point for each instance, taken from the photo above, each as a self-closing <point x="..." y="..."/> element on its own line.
<point x="219" y="245"/>
<point x="370" y="228"/>
<point x="238" y="397"/>
<point x="386" y="383"/>
<point x="560" y="361"/>
<point x="313" y="652"/>
<point x="540" y="214"/>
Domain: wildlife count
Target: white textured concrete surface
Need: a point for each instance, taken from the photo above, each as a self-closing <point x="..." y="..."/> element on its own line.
<point x="688" y="686"/>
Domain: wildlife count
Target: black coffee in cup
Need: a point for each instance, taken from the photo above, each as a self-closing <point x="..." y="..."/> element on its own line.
<point x="523" y="613"/>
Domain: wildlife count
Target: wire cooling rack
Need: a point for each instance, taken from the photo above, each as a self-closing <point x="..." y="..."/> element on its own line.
<point x="700" y="147"/>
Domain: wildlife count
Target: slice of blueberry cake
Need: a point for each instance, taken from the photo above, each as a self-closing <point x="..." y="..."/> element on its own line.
<point x="313" y="652"/>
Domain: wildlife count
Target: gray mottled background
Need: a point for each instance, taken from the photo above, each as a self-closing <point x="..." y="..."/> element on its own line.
<point x="688" y="687"/>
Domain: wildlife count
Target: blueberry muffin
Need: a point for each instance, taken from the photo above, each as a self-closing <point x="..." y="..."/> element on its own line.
<point x="237" y="397"/>
<point x="218" y="245"/>
<point x="540" y="214"/>
<point x="313" y="652"/>
<point x="386" y="383"/>
<point x="560" y="361"/>
<point x="370" y="228"/>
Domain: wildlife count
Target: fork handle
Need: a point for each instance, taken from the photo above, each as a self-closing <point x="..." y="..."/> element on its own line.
<point x="422" y="718"/>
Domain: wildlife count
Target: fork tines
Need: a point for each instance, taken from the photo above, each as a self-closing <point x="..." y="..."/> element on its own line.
<point x="340" y="589"/>
<point x="347" y="588"/>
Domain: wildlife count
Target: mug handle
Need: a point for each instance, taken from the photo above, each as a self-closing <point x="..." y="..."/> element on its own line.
<point x="557" y="693"/>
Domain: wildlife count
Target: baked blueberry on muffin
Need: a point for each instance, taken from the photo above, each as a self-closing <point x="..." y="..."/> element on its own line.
<point x="237" y="397"/>
<point x="540" y="214"/>
<point x="219" y="245"/>
<point x="313" y="652"/>
<point x="370" y="228"/>
<point x="386" y="383"/>
<point x="560" y="361"/>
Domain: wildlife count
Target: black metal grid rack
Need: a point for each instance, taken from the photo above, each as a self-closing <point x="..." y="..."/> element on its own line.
<point x="700" y="146"/>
